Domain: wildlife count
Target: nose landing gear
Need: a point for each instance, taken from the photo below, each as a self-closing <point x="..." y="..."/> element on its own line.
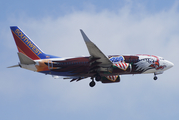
<point x="155" y="77"/>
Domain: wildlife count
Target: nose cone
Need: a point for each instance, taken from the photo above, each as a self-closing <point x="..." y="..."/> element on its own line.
<point x="169" y="64"/>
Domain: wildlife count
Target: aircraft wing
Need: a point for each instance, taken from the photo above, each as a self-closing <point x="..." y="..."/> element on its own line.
<point x="96" y="53"/>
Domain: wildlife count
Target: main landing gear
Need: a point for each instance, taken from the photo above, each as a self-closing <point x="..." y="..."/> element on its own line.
<point x="97" y="78"/>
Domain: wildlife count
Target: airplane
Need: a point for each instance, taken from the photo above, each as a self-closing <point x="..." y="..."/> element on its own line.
<point x="97" y="66"/>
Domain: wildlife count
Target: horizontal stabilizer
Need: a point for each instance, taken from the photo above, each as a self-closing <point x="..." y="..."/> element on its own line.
<point x="25" y="59"/>
<point x="13" y="66"/>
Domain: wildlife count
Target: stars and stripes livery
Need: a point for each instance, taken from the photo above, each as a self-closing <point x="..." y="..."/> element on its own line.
<point x="112" y="77"/>
<point x="122" y="65"/>
<point x="97" y="66"/>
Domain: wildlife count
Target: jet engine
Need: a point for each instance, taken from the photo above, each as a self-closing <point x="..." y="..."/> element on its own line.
<point x="110" y="79"/>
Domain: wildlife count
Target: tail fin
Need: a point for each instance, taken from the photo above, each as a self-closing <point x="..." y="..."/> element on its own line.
<point x="26" y="46"/>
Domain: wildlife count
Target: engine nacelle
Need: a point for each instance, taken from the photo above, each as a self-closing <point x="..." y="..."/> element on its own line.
<point x="110" y="79"/>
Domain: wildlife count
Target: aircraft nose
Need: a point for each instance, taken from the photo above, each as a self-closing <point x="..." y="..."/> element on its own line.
<point x="169" y="64"/>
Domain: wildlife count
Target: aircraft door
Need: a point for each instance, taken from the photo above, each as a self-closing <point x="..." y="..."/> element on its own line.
<point x="50" y="64"/>
<point x="130" y="66"/>
<point x="129" y="69"/>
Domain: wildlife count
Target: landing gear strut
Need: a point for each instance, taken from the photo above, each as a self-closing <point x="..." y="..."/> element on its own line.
<point x="92" y="83"/>
<point x="98" y="78"/>
<point x="155" y="77"/>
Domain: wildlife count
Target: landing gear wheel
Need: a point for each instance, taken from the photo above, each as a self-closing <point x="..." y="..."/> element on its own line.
<point x="155" y="77"/>
<point x="92" y="84"/>
<point x="98" y="78"/>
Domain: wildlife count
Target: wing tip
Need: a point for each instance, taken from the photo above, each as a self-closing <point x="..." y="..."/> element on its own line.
<point x="86" y="39"/>
<point x="82" y="31"/>
<point x="13" y="66"/>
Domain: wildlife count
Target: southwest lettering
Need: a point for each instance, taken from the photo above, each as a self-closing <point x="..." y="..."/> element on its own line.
<point x="17" y="31"/>
<point x="39" y="53"/>
<point x="28" y="42"/>
<point x="20" y="34"/>
<point x="24" y="38"/>
<point x="33" y="47"/>
<point x="37" y="50"/>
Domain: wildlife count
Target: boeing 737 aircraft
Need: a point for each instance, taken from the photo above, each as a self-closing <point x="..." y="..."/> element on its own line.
<point x="97" y="66"/>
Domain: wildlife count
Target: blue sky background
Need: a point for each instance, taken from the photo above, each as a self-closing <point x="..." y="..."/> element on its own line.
<point x="116" y="27"/>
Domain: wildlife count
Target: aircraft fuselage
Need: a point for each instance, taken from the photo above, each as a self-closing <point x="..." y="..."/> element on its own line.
<point x="98" y="66"/>
<point x="122" y="64"/>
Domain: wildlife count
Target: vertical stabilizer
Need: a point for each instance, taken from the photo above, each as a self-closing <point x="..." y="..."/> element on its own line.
<point x="25" y="45"/>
